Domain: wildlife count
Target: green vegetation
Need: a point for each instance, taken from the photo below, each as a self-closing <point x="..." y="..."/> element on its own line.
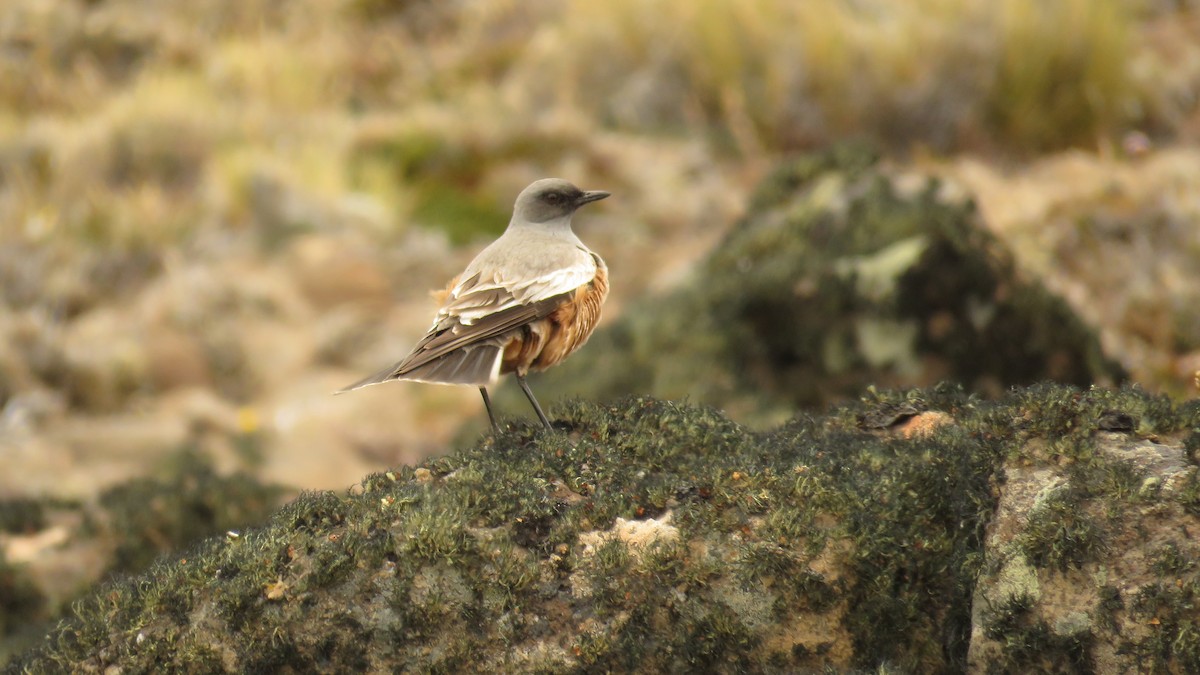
<point x="1169" y="608"/>
<point x="1043" y="46"/>
<point x="149" y="516"/>
<point x="643" y="534"/>
<point x="1062" y="534"/>
<point x="128" y="527"/>
<point x="1031" y="645"/>
<point x="1048" y="597"/>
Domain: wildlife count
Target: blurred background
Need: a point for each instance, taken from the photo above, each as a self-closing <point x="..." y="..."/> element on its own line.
<point x="214" y="213"/>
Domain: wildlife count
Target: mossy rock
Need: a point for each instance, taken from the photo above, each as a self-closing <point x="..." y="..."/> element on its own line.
<point x="1089" y="563"/>
<point x="146" y="517"/>
<point x="642" y="535"/>
<point x="842" y="274"/>
<point x="71" y="546"/>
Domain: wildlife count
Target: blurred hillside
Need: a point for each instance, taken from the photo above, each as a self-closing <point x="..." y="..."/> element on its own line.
<point x="214" y="213"/>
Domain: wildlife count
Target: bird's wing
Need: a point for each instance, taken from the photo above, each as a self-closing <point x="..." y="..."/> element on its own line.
<point x="476" y="298"/>
<point x="480" y="309"/>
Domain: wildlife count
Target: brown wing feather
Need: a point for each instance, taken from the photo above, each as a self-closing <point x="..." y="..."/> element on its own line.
<point x="450" y="335"/>
<point x="456" y="352"/>
<point x="471" y="365"/>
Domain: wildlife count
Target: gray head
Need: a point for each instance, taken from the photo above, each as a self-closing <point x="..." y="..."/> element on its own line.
<point x="551" y="199"/>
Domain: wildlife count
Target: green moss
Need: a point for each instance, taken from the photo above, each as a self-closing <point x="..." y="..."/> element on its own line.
<point x="915" y="568"/>
<point x="1168" y="560"/>
<point x="1191" y="446"/>
<point x="1189" y="493"/>
<point x="128" y="527"/>
<point x="1028" y="643"/>
<point x="1072" y="521"/>
<point x="1169" y="610"/>
<point x="797" y="588"/>
<point x="1033" y="646"/>
<point x="716" y="637"/>
<point x="148" y="517"/>
<point x="1110" y="602"/>
<point x="1060" y="533"/>
<point x="1060" y="411"/>
<point x="506" y="553"/>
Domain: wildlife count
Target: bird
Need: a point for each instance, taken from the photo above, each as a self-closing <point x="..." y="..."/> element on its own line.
<point x="525" y="303"/>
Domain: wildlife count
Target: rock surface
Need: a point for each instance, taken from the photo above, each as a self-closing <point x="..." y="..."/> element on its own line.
<point x="1091" y="559"/>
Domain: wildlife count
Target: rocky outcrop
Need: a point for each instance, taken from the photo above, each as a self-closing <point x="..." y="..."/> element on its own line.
<point x="1091" y="562"/>
<point x="926" y="531"/>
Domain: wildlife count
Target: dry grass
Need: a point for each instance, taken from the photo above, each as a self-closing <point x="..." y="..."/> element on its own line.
<point x="768" y="75"/>
<point x="1119" y="240"/>
<point x="1062" y="77"/>
<point x="127" y="123"/>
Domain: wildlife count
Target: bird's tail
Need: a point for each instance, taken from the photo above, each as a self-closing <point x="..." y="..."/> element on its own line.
<point x="478" y="365"/>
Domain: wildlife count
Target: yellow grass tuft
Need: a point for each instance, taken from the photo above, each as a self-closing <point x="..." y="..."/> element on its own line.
<point x="774" y="74"/>
<point x="1062" y="71"/>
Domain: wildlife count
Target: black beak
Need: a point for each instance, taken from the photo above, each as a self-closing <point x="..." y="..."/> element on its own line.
<point x="591" y="196"/>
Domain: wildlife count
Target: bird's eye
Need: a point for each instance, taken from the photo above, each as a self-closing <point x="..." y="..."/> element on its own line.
<point x="554" y="198"/>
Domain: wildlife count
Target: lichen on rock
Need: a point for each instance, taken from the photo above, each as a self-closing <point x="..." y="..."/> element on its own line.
<point x="1084" y="562"/>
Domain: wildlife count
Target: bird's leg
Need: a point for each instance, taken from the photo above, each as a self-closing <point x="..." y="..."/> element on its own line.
<point x="529" y="394"/>
<point x="487" y="403"/>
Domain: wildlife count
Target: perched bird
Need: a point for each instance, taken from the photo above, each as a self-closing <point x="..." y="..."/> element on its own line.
<point x="523" y="304"/>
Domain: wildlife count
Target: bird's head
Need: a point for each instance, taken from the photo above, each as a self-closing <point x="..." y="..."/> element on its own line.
<point x="552" y="199"/>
